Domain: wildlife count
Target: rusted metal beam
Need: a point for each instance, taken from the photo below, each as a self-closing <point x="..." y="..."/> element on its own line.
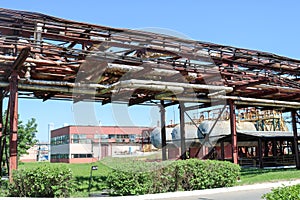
<point x="163" y="130"/>
<point x="296" y="138"/>
<point x="182" y="131"/>
<point x="233" y="132"/>
<point x="13" y="111"/>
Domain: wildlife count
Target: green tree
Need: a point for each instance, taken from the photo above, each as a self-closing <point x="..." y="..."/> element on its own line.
<point x="26" y="134"/>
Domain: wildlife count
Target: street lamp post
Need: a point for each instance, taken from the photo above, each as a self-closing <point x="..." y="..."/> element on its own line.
<point x="91" y="175"/>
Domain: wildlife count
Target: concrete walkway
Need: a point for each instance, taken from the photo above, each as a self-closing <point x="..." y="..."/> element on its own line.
<point x="188" y="194"/>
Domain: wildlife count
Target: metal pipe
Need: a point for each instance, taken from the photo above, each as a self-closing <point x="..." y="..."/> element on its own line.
<point x="62" y="83"/>
<point x="241" y="101"/>
<point x="48" y="88"/>
<point x="266" y="104"/>
<point x="155" y="71"/>
<point x="255" y="100"/>
<point x="185" y="99"/>
<point x="57" y="86"/>
<point x="175" y="90"/>
<point x="184" y="85"/>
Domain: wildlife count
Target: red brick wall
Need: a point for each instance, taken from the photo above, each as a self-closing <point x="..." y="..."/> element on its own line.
<point x="60" y="131"/>
<point x="61" y="160"/>
<point x="82" y="160"/>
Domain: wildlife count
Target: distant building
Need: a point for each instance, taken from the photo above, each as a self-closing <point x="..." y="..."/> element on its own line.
<point x="38" y="152"/>
<point x="81" y="144"/>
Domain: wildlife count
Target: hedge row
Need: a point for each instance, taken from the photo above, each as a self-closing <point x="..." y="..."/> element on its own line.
<point x="44" y="181"/>
<point x="286" y="193"/>
<point x="182" y="175"/>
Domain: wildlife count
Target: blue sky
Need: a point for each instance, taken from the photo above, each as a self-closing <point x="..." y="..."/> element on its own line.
<point x="271" y="26"/>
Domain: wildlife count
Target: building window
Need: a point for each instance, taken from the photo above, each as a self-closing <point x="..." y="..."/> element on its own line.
<point x="75" y="138"/>
<point x="132" y="137"/>
<point x="102" y="136"/>
<point x="60" y="156"/>
<point x="112" y="136"/>
<point x="83" y="140"/>
<point x="80" y="138"/>
<point x="63" y="139"/>
<point x="89" y="155"/>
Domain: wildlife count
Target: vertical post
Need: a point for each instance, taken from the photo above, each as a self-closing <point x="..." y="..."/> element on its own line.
<point x="274" y="147"/>
<point x="91" y="178"/>
<point x="1" y="127"/>
<point x="260" y="160"/>
<point x="222" y="151"/>
<point x="233" y="132"/>
<point x="266" y="149"/>
<point x="182" y="131"/>
<point x="163" y="130"/>
<point x="13" y="108"/>
<point x="99" y="146"/>
<point x="294" y="124"/>
<point x="50" y="128"/>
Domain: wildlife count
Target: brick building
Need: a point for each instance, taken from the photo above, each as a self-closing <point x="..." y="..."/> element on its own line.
<point x="81" y="144"/>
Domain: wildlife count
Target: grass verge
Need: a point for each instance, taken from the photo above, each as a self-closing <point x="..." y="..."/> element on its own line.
<point x="253" y="176"/>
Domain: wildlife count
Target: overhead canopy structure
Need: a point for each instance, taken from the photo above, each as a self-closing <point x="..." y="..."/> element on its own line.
<point x="50" y="58"/>
<point x="54" y="56"/>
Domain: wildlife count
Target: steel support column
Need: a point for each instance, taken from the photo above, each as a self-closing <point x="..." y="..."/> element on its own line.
<point x="260" y="160"/>
<point x="163" y="130"/>
<point x="233" y="132"/>
<point x="222" y="150"/>
<point x="13" y="116"/>
<point x="1" y="127"/>
<point x="182" y="131"/>
<point x="294" y="123"/>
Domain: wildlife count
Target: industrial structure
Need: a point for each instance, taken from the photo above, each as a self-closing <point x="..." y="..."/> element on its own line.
<point x="47" y="58"/>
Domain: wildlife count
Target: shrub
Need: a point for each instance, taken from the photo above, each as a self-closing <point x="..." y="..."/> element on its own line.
<point x="82" y="183"/>
<point x="182" y="175"/>
<point x="4" y="187"/>
<point x="195" y="174"/>
<point x="128" y="183"/>
<point x="42" y="181"/>
<point x="286" y="193"/>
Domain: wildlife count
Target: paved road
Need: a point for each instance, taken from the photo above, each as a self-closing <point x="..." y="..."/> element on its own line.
<point x="235" y="195"/>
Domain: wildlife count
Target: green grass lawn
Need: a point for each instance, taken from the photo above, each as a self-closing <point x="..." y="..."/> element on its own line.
<point x="78" y="169"/>
<point x="252" y="176"/>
